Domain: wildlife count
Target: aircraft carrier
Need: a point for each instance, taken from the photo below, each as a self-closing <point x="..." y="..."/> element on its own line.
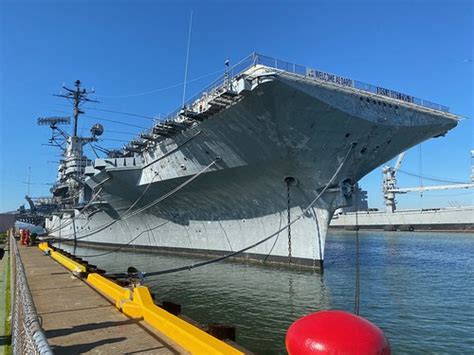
<point x="254" y="165"/>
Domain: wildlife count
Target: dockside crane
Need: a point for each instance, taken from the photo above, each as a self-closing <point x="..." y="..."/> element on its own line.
<point x="390" y="183"/>
<point x="390" y="188"/>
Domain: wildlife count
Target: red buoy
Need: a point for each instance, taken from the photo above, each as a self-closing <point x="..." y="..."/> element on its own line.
<point x="335" y="332"/>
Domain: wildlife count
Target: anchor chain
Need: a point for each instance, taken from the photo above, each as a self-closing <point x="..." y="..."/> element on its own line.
<point x="289" y="218"/>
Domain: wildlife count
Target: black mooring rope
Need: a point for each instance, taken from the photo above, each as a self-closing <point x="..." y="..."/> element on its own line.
<point x="123" y="245"/>
<point x="226" y="256"/>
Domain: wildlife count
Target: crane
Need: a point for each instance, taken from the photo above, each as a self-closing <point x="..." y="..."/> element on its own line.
<point x="390" y="188"/>
<point x="390" y="183"/>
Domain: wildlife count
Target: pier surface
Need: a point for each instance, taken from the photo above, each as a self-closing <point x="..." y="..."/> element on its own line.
<point x="77" y="319"/>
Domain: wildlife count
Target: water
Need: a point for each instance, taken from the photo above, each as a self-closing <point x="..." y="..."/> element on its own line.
<point x="418" y="287"/>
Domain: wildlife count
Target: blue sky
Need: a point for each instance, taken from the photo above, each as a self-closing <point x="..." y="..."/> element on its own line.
<point x="423" y="48"/>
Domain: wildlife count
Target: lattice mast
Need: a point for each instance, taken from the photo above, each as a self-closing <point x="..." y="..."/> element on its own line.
<point x="68" y="189"/>
<point x="78" y="96"/>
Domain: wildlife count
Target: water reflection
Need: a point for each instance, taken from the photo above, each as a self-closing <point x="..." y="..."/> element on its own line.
<point x="416" y="286"/>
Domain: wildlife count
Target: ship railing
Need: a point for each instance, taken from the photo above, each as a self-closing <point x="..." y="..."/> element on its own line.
<point x="27" y="334"/>
<point x="227" y="80"/>
<point x="257" y="59"/>
<point x="221" y="83"/>
<point x="343" y="81"/>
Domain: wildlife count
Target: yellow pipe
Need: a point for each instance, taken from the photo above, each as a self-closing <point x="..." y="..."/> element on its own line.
<point x="68" y="263"/>
<point x="63" y="260"/>
<point x="110" y="289"/>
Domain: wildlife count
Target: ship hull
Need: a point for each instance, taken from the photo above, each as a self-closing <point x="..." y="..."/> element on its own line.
<point x="226" y="179"/>
<point x="435" y="219"/>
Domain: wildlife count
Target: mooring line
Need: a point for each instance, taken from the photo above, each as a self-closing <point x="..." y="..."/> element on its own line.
<point x="148" y="206"/>
<point x="224" y="257"/>
<point x="124" y="245"/>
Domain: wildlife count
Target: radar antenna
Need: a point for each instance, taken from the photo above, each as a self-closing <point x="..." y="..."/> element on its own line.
<point x="57" y="133"/>
<point x="78" y="96"/>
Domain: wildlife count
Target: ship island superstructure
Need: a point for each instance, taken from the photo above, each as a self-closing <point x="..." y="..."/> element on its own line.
<point x="268" y="144"/>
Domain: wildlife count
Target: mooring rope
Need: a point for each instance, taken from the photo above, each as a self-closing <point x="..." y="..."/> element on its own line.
<point x="80" y="213"/>
<point x="224" y="257"/>
<point x="123" y="245"/>
<point x="137" y="200"/>
<point x="149" y="205"/>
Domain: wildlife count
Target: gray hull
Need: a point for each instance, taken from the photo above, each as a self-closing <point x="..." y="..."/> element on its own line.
<point x="435" y="219"/>
<point x="281" y="125"/>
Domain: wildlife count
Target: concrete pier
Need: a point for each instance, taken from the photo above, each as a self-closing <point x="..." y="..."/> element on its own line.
<point x="77" y="319"/>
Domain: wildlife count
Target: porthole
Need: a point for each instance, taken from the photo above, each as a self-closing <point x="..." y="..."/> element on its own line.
<point x="347" y="135"/>
<point x="390" y="105"/>
<point x="361" y="98"/>
<point x="363" y="150"/>
<point x="368" y="100"/>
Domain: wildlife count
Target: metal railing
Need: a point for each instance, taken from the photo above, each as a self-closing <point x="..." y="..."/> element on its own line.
<point x="225" y="80"/>
<point x="27" y="335"/>
<point x="342" y="81"/>
<point x="258" y="59"/>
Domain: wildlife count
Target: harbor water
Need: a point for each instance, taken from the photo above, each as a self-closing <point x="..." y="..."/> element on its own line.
<point x="418" y="287"/>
